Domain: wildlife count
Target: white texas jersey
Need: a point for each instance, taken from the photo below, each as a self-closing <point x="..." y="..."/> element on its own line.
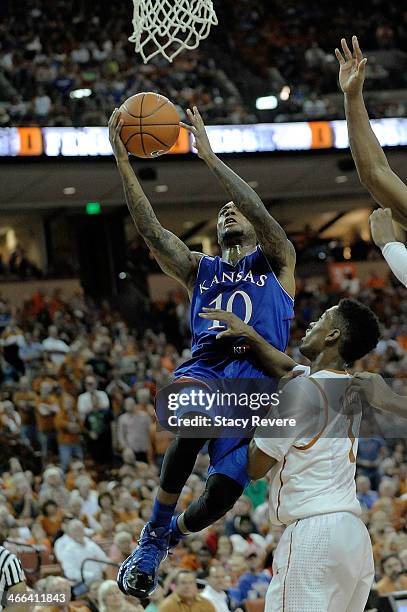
<point x="315" y="470"/>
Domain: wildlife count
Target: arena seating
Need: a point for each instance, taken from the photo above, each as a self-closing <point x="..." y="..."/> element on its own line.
<point x="49" y="76"/>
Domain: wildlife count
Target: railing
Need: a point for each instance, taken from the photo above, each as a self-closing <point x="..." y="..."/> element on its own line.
<point x="21" y="547"/>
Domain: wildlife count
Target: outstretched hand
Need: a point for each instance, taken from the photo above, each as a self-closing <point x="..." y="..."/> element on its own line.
<point x="115" y="126"/>
<point x="352" y="67"/>
<point x="235" y="326"/>
<point x="197" y="129"/>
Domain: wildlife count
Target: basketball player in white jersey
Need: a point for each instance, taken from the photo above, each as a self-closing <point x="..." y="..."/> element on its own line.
<point x="323" y="562"/>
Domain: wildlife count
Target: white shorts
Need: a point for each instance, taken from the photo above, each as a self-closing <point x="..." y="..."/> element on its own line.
<point x="322" y="564"/>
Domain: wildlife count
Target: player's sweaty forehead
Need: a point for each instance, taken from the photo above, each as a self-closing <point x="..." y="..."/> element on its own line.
<point x="225" y="208"/>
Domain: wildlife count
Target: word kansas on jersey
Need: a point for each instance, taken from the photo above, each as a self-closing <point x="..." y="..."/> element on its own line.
<point x="233" y="277"/>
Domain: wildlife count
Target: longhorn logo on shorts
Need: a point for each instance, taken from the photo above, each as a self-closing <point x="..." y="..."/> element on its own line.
<point x="157" y="153"/>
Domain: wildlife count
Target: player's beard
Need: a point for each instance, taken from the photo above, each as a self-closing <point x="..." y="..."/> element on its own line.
<point x="232" y="237"/>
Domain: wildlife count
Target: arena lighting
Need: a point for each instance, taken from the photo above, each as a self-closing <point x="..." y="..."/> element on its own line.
<point x="266" y="103"/>
<point x="347" y="252"/>
<point x="80" y="93"/>
<point x="285" y="93"/>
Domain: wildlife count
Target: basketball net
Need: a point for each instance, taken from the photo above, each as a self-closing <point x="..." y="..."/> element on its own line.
<point x="170" y="26"/>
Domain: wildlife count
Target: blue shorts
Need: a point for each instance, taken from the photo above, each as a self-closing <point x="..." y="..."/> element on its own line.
<point x="227" y="456"/>
<point x="234" y="465"/>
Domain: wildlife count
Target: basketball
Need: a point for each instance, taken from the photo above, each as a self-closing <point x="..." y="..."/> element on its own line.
<point x="151" y="124"/>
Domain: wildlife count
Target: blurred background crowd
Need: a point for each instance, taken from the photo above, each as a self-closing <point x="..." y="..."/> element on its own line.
<point x="57" y="76"/>
<point x="81" y="453"/>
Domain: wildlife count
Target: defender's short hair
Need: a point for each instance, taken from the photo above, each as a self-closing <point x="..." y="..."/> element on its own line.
<point x="360" y="329"/>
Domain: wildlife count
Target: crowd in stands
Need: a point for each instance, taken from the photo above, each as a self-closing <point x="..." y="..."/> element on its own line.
<point x="81" y="454"/>
<point x="69" y="63"/>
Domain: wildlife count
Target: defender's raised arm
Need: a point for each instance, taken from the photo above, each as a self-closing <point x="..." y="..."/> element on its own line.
<point x="371" y="163"/>
<point x="172" y="255"/>
<point x="269" y="232"/>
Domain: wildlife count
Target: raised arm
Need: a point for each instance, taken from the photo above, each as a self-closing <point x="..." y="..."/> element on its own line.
<point x="373" y="168"/>
<point x="270" y="234"/>
<point x="172" y="255"/>
<point x="274" y="363"/>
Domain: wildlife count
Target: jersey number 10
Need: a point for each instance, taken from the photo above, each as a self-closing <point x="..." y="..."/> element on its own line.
<point x="217" y="303"/>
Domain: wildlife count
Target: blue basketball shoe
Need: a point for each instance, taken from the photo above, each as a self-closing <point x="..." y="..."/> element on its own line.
<point x="138" y="574"/>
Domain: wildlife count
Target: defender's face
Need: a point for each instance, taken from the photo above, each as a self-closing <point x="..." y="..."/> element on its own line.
<point x="231" y="224"/>
<point x="313" y="342"/>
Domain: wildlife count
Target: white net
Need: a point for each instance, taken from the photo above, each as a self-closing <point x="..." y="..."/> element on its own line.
<point x="168" y="27"/>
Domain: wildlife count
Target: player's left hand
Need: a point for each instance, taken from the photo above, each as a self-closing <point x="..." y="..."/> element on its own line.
<point x="197" y="129"/>
<point x="381" y="226"/>
<point x="352" y="67"/>
<point x="235" y="326"/>
<point x="371" y="387"/>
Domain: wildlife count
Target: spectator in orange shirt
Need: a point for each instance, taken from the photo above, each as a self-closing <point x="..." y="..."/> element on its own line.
<point x="39" y="538"/>
<point x="394" y="579"/>
<point x="185" y="596"/>
<point x="46" y="409"/>
<point x="51" y="518"/>
<point x="68" y="429"/>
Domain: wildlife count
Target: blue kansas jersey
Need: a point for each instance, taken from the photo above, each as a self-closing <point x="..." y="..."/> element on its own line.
<point x="251" y="291"/>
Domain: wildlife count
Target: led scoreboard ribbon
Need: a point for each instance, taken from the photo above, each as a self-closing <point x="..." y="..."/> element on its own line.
<point x="256" y="138"/>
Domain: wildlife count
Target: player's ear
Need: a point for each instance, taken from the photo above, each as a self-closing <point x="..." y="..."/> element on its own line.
<point x="333" y="336"/>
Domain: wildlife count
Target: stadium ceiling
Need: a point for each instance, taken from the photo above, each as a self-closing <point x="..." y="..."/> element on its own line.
<point x="183" y="185"/>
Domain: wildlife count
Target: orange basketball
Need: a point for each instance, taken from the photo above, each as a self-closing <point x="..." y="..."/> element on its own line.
<point x="151" y="124"/>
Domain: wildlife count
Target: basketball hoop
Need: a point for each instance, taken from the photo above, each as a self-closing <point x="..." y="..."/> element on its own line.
<point x="170" y="26"/>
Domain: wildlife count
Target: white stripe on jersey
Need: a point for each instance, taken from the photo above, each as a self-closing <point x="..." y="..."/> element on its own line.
<point x="11" y="572"/>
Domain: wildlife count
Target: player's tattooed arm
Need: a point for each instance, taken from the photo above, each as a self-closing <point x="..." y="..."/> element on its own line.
<point x="269" y="232"/>
<point x="172" y="255"/>
<point x="272" y="361"/>
<point x="373" y="168"/>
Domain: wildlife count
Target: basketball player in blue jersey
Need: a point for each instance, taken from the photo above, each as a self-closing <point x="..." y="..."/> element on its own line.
<point x="254" y="279"/>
